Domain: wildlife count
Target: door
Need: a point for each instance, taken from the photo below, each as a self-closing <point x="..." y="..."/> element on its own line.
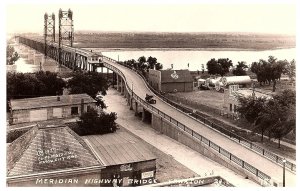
<point x="38" y="115"/>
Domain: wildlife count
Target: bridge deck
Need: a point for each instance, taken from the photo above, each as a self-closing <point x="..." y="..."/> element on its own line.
<point x="258" y="161"/>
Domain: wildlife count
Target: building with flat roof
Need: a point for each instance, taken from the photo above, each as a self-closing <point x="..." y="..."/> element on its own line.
<point x="125" y="157"/>
<point x="171" y="80"/>
<point x="51" y="156"/>
<point x="49" y="107"/>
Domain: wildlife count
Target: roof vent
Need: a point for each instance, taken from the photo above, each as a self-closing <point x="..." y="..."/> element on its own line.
<point x="58" y="98"/>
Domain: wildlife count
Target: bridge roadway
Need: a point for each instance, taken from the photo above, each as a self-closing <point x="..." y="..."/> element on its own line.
<point x="273" y="170"/>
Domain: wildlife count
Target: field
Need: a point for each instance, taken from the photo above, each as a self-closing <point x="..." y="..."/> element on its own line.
<point x="139" y="40"/>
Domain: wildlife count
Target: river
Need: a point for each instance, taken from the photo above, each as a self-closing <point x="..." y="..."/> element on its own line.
<point x="179" y="58"/>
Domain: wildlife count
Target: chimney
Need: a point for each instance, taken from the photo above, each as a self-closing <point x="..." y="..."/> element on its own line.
<point x="82" y="106"/>
<point x="58" y="98"/>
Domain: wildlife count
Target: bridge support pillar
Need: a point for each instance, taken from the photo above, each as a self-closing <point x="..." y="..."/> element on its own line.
<point x="122" y="87"/>
<point x="113" y="79"/>
<point x="130" y="103"/>
<point x="136" y="113"/>
<point x="117" y="77"/>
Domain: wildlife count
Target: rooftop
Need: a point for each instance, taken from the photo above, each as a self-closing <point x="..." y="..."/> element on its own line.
<point x="50" y="101"/>
<point x="248" y="92"/>
<point x="119" y="147"/>
<point x="48" y="148"/>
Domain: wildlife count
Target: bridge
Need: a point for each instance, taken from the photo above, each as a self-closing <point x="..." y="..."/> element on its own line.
<point x="169" y="118"/>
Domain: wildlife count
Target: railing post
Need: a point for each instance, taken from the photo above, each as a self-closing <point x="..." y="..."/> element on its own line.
<point x="239" y="139"/>
<point x="263" y="151"/>
<point x="230" y="156"/>
<point x="192" y="133"/>
<point x="256" y="172"/>
<point x="177" y="123"/>
<point x="277" y="158"/>
<point x="243" y="164"/>
<point x="209" y="143"/>
<point x="250" y="145"/>
<point x="219" y="149"/>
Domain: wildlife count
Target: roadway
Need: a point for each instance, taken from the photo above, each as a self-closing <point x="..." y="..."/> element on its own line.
<point x="254" y="159"/>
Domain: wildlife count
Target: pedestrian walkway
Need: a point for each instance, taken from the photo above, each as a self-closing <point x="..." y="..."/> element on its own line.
<point x="183" y="154"/>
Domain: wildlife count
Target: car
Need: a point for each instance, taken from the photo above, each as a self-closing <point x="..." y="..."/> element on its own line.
<point x="149" y="99"/>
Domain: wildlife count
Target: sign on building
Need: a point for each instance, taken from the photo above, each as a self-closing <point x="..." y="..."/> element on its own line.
<point x="149" y="174"/>
<point x="174" y="75"/>
<point x="125" y="167"/>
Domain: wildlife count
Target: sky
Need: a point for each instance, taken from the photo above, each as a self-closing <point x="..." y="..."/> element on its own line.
<point x="261" y="18"/>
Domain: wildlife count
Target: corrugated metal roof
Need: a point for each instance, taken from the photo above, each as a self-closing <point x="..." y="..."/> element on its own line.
<point x="50" y="101"/>
<point x="176" y="76"/>
<point x="119" y="148"/>
<point x="48" y="149"/>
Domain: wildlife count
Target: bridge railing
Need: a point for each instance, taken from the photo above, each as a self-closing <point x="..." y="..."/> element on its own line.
<point x="191" y="132"/>
<point x="271" y="156"/>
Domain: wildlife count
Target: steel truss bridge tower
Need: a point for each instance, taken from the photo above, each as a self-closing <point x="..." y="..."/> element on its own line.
<point x="65" y="31"/>
<point x="49" y="31"/>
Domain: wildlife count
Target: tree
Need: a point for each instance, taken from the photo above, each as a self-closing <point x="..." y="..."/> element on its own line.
<point x="240" y="69"/>
<point x="141" y="62"/>
<point x="51" y="84"/>
<point x="90" y="83"/>
<point x="158" y="66"/>
<point x="251" y="107"/>
<point x="284" y="115"/>
<point x="220" y="66"/>
<point x="21" y="85"/>
<point x="269" y="71"/>
<point x="100" y="102"/>
<point x="11" y="55"/>
<point x="91" y="123"/>
<point x="276" y="115"/>
<point x="290" y="69"/>
<point x="152" y="61"/>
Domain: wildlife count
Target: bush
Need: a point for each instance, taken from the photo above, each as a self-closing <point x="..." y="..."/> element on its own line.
<point x="91" y="123"/>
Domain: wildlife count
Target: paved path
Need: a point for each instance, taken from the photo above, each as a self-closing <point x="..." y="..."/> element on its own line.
<point x="254" y="159"/>
<point x="183" y="154"/>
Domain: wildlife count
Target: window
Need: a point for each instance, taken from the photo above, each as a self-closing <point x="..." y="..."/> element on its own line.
<point x="74" y="110"/>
